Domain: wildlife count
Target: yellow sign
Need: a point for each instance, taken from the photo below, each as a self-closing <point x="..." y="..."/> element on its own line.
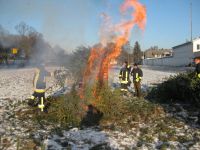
<point x="14" y="50"/>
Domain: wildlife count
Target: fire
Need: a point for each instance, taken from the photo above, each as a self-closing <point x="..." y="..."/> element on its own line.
<point x="138" y="16"/>
<point x="100" y="57"/>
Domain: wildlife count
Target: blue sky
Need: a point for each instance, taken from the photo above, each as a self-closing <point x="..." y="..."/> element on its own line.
<point x="70" y="23"/>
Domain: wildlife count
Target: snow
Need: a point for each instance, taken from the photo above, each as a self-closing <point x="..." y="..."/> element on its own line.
<point x="53" y="144"/>
<point x="17" y="84"/>
<point x="85" y="138"/>
<point x="14" y="83"/>
<point x="88" y="138"/>
<point x="151" y="76"/>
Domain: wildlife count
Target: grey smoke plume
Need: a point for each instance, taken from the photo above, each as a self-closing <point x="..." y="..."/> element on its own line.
<point x="6" y="39"/>
<point x="31" y="45"/>
<point x="68" y="23"/>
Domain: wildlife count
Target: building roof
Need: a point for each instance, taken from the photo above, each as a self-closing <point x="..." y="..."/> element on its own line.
<point x="184" y="44"/>
<point x="198" y="38"/>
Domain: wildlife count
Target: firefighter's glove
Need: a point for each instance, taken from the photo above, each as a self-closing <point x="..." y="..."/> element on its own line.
<point x="138" y="79"/>
<point x="32" y="97"/>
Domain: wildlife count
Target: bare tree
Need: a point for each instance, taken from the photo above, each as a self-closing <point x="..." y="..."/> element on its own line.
<point x="22" y="28"/>
<point x="27" y="38"/>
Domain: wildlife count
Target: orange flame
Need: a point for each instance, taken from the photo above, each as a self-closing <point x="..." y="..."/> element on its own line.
<point x="100" y="58"/>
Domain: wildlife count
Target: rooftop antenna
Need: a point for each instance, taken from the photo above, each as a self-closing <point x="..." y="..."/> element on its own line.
<point x="191" y="19"/>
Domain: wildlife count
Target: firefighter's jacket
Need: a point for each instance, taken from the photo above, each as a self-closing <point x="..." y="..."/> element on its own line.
<point x="39" y="80"/>
<point x="137" y="74"/>
<point x="197" y="69"/>
<point x="124" y="74"/>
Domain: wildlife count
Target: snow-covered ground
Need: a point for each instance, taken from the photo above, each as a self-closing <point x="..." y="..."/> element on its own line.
<point x="16" y="84"/>
<point x="151" y="75"/>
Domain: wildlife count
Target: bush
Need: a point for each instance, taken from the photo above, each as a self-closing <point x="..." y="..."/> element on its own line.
<point x="109" y="105"/>
<point x="109" y="102"/>
<point x="65" y="111"/>
<point x="119" y="109"/>
<point x="183" y="87"/>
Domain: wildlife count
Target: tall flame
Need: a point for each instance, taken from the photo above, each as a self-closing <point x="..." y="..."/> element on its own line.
<point x="119" y="34"/>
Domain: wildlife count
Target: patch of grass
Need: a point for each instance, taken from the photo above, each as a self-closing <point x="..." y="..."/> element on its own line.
<point x="143" y="110"/>
<point x="146" y="139"/>
<point x="5" y="143"/>
<point x="183" y="139"/>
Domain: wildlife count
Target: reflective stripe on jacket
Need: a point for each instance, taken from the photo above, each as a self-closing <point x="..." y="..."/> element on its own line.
<point x="124" y="75"/>
<point x="137" y="74"/>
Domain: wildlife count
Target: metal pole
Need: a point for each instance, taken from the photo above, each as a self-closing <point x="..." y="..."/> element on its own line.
<point x="191" y="19"/>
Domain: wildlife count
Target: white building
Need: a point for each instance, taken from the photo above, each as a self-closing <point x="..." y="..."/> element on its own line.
<point x="183" y="55"/>
<point x="196" y="48"/>
<point x="196" y="45"/>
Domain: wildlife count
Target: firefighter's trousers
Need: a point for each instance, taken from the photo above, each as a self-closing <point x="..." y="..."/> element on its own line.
<point x="124" y="87"/>
<point x="137" y="87"/>
<point x="36" y="98"/>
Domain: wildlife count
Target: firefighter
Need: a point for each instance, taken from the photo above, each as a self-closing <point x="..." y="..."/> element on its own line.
<point x="197" y="69"/>
<point x="39" y="86"/>
<point x="137" y="77"/>
<point x="124" y="76"/>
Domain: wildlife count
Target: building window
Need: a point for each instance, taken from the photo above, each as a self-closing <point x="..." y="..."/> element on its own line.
<point x="198" y="46"/>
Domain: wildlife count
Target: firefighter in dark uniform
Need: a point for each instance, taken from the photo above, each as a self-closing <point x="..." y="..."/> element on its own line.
<point x="197" y="69"/>
<point x="39" y="84"/>
<point x="197" y="73"/>
<point x="124" y="76"/>
<point x="137" y="77"/>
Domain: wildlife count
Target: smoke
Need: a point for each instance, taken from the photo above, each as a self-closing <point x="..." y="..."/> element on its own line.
<point x="43" y="52"/>
<point x="31" y="45"/>
<point x="68" y="24"/>
<point x="106" y="32"/>
<point x="6" y="39"/>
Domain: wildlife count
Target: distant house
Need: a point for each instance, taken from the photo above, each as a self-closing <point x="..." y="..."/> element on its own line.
<point x="155" y="52"/>
<point x="167" y="54"/>
<point x="196" y="48"/>
<point x="183" y="55"/>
